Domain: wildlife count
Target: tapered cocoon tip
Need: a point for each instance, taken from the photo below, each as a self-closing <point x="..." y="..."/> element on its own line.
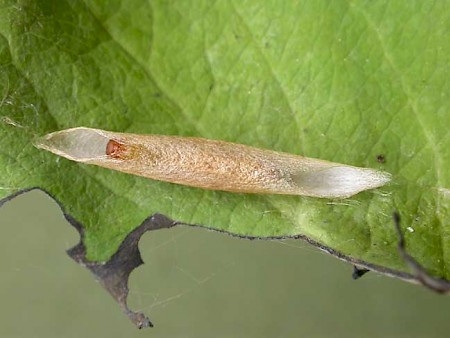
<point x="78" y="144"/>
<point x="341" y="181"/>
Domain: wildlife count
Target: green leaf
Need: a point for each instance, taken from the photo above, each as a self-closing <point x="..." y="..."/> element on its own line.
<point x="345" y="81"/>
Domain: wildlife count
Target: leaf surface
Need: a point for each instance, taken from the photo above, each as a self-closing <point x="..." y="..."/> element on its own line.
<point x="353" y="82"/>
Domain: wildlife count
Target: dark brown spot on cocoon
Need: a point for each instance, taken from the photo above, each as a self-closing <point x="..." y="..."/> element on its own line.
<point x="115" y="149"/>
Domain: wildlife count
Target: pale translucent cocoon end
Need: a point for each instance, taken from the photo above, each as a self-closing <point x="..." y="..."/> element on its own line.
<point x="77" y="144"/>
<point x="341" y="181"/>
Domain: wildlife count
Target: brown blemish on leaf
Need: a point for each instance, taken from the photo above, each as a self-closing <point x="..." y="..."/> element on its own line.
<point x="381" y="158"/>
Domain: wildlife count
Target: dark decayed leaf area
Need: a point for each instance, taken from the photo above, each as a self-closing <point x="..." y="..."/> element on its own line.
<point x="358" y="82"/>
<point x="113" y="275"/>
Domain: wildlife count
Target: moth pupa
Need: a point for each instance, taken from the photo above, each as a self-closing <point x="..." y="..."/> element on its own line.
<point x="212" y="164"/>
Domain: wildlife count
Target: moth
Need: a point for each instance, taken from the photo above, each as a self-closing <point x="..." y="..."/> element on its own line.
<point x="212" y="164"/>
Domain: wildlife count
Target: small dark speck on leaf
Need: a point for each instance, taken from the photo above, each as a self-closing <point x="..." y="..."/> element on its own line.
<point x="381" y="158"/>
